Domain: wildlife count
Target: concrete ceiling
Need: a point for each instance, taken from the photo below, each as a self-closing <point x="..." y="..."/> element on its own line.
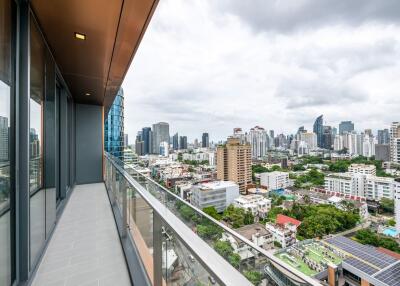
<point x="98" y="64"/>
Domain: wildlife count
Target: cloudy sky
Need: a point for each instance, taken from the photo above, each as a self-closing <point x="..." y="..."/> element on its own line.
<point x="212" y="65"/>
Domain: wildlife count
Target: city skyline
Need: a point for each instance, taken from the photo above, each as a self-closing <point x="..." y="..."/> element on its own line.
<point x="278" y="74"/>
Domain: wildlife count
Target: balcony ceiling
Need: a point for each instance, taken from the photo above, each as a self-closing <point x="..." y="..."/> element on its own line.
<point x="113" y="29"/>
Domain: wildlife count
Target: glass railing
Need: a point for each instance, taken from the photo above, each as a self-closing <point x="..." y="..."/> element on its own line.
<point x="182" y="265"/>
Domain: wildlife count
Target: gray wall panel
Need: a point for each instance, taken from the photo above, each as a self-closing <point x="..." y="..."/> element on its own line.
<point x="89" y="147"/>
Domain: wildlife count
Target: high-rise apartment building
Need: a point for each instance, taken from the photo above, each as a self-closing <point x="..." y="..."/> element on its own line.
<point x="205" y="140"/>
<point x="383" y="136"/>
<point x="175" y="141"/>
<point x="382" y="152"/>
<point x="234" y="163"/>
<point x="114" y="127"/>
<point x="346" y="126"/>
<point x="310" y="138"/>
<point x="318" y="129"/>
<point x="395" y="142"/>
<point x="183" y="145"/>
<point x="160" y="134"/>
<point x="4" y="139"/>
<point x="259" y="140"/>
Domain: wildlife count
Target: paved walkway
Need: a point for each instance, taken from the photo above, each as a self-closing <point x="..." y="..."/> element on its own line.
<point x="85" y="248"/>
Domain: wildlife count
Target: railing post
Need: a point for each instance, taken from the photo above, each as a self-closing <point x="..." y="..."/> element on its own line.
<point x="123" y="187"/>
<point x="157" y="248"/>
<point x="114" y="184"/>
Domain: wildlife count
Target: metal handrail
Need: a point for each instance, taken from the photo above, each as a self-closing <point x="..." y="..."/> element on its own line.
<point x="224" y="273"/>
<point x="271" y="257"/>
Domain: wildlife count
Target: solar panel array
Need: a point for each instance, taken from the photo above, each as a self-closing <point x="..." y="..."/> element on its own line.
<point x="390" y="276"/>
<point x="369" y="260"/>
<point x="363" y="252"/>
<point x="361" y="265"/>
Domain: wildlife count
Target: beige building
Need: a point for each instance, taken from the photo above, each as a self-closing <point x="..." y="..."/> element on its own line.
<point x="234" y="163"/>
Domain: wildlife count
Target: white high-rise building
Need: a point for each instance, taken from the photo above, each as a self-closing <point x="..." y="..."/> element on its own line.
<point x="395" y="142"/>
<point x="310" y="138"/>
<point x="259" y="140"/>
<point x="338" y="143"/>
<point x="368" y="146"/>
<point x="160" y="134"/>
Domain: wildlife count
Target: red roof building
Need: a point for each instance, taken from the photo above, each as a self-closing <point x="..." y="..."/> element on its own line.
<point x="283" y="220"/>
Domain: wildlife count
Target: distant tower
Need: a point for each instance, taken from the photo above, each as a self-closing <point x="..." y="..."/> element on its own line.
<point x="318" y="129"/>
<point x="205" y="140"/>
<point x="114" y="127"/>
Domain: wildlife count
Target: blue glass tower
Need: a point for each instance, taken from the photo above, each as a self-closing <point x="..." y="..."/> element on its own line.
<point x="114" y="127"/>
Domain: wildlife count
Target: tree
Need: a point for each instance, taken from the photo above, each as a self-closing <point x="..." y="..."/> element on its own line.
<point x="186" y="212"/>
<point x="391" y="222"/>
<point x="248" y="218"/>
<point x="366" y="236"/>
<point x="387" y="205"/>
<point x="209" y="231"/>
<point x="254" y="277"/>
<point x="298" y="167"/>
<point x="234" y="260"/>
<point x="212" y="211"/>
<point x="224" y="248"/>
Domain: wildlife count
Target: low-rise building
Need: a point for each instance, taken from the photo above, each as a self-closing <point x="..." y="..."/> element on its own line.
<point x="274" y="180"/>
<point x="377" y="188"/>
<point x="284" y="236"/>
<point x="257" y="204"/>
<point x="256" y="233"/>
<point x="362" y="169"/>
<point x="219" y="194"/>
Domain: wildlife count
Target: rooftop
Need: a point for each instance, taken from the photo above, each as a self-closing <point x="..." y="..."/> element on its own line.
<point x="282" y="219"/>
<point x="249" y="230"/>
<point x="217" y="185"/>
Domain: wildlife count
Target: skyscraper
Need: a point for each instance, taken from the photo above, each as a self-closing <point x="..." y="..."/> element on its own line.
<point x="175" y="141"/>
<point x="205" y="141"/>
<point x="395" y="142"/>
<point x="114" y="127"/>
<point x="147" y="140"/>
<point x="318" y="129"/>
<point x="160" y="134"/>
<point x="327" y="137"/>
<point x="383" y="136"/>
<point x="4" y="139"/>
<point x="183" y="142"/>
<point x="234" y="163"/>
<point x="346" y="126"/>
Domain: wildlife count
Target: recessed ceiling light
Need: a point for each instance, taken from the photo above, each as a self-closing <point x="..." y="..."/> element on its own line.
<point x="87" y="94"/>
<point x="80" y="36"/>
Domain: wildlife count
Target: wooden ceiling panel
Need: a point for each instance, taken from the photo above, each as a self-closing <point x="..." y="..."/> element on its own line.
<point x="113" y="29"/>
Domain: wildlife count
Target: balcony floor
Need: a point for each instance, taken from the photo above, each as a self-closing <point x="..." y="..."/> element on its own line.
<point x="85" y="248"/>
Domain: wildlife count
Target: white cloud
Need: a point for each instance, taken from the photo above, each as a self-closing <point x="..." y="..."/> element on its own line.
<point x="203" y="68"/>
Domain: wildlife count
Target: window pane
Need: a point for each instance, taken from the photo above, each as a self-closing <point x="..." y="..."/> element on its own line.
<point x="37" y="202"/>
<point x="5" y="187"/>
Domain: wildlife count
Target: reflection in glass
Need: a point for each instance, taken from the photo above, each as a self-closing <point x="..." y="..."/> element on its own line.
<point x="5" y="186"/>
<point x="37" y="201"/>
